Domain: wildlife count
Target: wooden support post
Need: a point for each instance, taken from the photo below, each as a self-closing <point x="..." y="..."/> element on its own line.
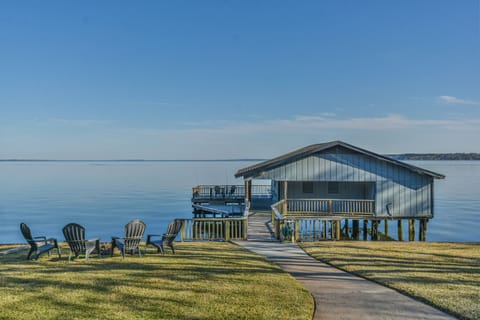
<point x="324" y="229"/>
<point x="374" y="229"/>
<point x="411" y="229"/>
<point x="423" y="230"/>
<point x="346" y="229"/>
<point x="332" y="231"/>
<point x="400" y="231"/>
<point x="338" y="232"/>
<point x="285" y="197"/>
<point x="386" y="230"/>
<point x="356" y="231"/>
<point x="365" y="229"/>
<point x="296" y="231"/>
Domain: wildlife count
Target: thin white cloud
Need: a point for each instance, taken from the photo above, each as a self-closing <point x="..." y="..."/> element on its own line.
<point x="455" y="100"/>
<point x="77" y="122"/>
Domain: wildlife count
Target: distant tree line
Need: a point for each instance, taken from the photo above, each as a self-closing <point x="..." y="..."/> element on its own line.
<point x="436" y="156"/>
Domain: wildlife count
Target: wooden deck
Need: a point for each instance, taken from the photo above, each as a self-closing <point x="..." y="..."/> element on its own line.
<point x="259" y="227"/>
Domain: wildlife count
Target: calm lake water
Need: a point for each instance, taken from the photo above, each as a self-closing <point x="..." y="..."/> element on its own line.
<point x="104" y="196"/>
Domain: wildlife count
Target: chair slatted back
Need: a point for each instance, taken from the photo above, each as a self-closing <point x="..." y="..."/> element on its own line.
<point x="75" y="236"/>
<point x="27" y="234"/>
<point x="134" y="231"/>
<point x="174" y="227"/>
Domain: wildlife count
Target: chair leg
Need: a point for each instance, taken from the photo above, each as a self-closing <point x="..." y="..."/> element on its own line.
<point x="70" y="256"/>
<point x="173" y="250"/>
<point x="30" y="253"/>
<point x="59" y="253"/>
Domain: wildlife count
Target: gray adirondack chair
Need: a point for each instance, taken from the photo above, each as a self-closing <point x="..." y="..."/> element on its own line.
<point x="134" y="231"/>
<point x="34" y="242"/>
<point x="75" y="237"/>
<point x="167" y="238"/>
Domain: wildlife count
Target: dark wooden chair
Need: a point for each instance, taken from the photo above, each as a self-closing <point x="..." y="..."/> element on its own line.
<point x="46" y="246"/>
<point x="134" y="231"/>
<point x="75" y="237"/>
<point x="167" y="239"/>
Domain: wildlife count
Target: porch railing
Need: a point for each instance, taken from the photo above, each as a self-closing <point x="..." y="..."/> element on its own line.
<point x="314" y="219"/>
<point x="214" y="229"/>
<point x="325" y="207"/>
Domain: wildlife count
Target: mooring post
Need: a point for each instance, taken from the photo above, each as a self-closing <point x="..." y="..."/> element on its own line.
<point x="400" y="232"/>
<point x="411" y="229"/>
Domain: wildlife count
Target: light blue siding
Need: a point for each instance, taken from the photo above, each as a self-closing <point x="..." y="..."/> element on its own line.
<point x="407" y="192"/>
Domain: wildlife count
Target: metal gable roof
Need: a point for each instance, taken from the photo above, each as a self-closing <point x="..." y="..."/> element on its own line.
<point x="304" y="152"/>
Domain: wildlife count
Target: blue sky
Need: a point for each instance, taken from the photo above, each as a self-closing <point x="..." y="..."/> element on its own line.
<point x="229" y="79"/>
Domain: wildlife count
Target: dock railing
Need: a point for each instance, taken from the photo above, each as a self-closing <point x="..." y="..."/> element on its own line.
<point x="228" y="192"/>
<point x="315" y="219"/>
<point x="214" y="229"/>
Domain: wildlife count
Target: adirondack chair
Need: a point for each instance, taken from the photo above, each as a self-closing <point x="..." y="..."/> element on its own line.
<point x="75" y="237"/>
<point x="167" y="239"/>
<point x="134" y="231"/>
<point x="47" y="246"/>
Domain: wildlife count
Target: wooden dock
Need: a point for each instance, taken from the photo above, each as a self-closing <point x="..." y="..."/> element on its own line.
<point x="259" y="227"/>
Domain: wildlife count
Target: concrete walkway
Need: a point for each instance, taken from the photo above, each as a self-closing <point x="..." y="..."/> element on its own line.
<point x="338" y="294"/>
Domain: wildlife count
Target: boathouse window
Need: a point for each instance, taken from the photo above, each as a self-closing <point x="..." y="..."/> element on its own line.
<point x="307" y="187"/>
<point x="333" y="187"/>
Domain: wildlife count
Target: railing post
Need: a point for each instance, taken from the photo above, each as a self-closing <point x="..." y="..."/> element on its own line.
<point x="245" y="229"/>
<point x="296" y="231"/>
<point x="330" y="206"/>
<point x="227" y="230"/>
<point x="182" y="234"/>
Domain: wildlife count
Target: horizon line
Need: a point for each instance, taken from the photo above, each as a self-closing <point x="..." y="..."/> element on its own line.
<point x="128" y="160"/>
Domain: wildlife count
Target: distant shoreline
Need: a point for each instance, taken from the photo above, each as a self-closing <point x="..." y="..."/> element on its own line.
<point x="130" y="160"/>
<point x="402" y="156"/>
<point x="436" y="156"/>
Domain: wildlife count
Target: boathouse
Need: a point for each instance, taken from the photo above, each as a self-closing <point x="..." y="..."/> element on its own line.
<point x="326" y="190"/>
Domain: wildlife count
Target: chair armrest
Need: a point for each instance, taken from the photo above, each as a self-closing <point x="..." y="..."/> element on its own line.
<point x="151" y="236"/>
<point x="93" y="240"/>
<point x="40" y="238"/>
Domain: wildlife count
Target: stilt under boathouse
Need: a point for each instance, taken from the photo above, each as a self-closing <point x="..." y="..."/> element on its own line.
<point x="339" y="191"/>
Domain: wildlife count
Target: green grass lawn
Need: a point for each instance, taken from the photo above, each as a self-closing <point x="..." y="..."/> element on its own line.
<point x="446" y="275"/>
<point x="202" y="281"/>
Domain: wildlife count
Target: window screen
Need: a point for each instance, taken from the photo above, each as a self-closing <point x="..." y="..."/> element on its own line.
<point x="307" y="187"/>
<point x="333" y="187"/>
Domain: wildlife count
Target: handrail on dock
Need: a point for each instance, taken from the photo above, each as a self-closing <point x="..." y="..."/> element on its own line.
<point x="214" y="229"/>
